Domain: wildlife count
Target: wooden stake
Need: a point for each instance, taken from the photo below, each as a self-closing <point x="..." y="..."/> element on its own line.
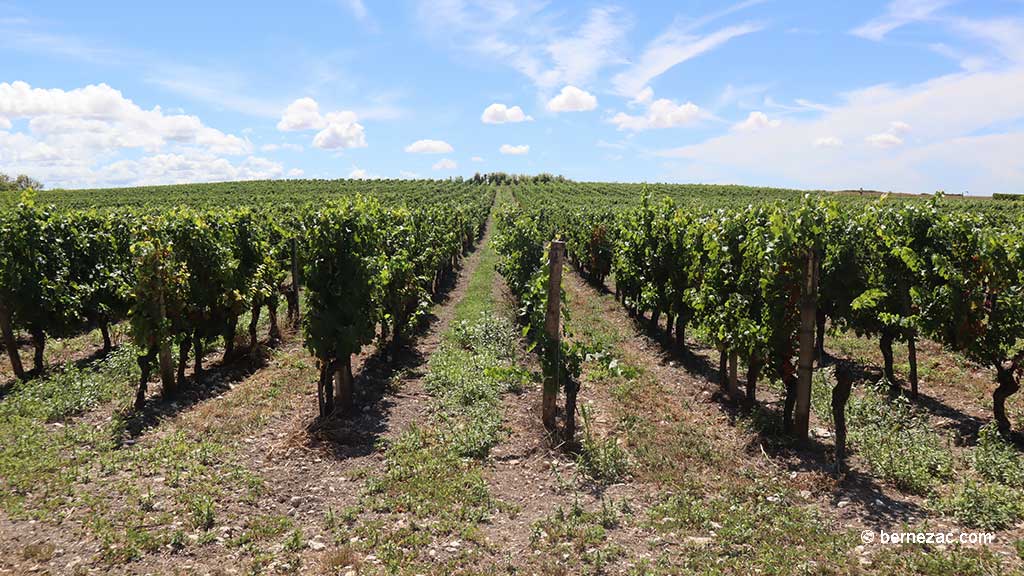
<point x="734" y="388"/>
<point x="805" y="366"/>
<point x="552" y="325"/>
<point x="294" y="302"/>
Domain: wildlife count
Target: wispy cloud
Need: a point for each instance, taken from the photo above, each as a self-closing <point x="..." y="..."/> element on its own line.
<point x="360" y="13"/>
<point x="675" y="46"/>
<point x="897" y="14"/>
<point x="219" y="88"/>
<point x="891" y="138"/>
<point x="525" y="37"/>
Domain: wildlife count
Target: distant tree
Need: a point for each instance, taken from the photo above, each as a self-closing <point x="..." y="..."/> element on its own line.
<point x="18" y="184"/>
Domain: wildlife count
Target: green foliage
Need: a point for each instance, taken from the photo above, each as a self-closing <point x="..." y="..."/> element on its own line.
<point x="898" y="444"/>
<point x="339" y="247"/>
<point x="602" y="459"/>
<point x="20" y="183"/>
<point x="989" y="506"/>
<point x="996" y="459"/>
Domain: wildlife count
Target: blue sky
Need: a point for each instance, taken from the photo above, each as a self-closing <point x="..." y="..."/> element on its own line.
<point x="908" y="95"/>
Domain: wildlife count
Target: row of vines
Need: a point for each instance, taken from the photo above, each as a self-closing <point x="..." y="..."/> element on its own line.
<point x="185" y="277"/>
<point x="891" y="269"/>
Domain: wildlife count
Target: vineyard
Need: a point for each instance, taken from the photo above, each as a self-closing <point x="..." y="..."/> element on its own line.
<point x="508" y="374"/>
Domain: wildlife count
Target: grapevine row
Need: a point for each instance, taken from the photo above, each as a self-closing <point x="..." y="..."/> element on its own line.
<point x="894" y="270"/>
<point x="184" y="277"/>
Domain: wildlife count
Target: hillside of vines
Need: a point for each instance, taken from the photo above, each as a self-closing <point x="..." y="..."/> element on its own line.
<point x="504" y="373"/>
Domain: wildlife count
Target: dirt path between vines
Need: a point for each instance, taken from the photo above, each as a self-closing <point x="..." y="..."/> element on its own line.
<point x="860" y="501"/>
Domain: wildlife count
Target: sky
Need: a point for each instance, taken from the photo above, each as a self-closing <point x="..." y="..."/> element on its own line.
<point x="904" y="95"/>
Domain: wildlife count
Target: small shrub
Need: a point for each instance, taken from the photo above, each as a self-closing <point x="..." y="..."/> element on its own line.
<point x="200" y="512"/>
<point x="898" y="444"/>
<point x="601" y="459"/>
<point x="996" y="459"/>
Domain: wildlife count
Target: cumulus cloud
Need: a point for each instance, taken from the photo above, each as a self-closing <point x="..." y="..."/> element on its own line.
<point x="498" y="113"/>
<point x="899" y="127"/>
<point x="477" y="159"/>
<point x="286" y="146"/>
<point x="662" y="113"/>
<point x="296" y="173"/>
<point x="884" y="140"/>
<point x="342" y="131"/>
<point x="445" y="164"/>
<point x="186" y="167"/>
<point x="429" y="147"/>
<point x="828" y="142"/>
<point x="644" y="96"/>
<point x="890" y="138"/>
<point x="358" y="173"/>
<point x="757" y="121"/>
<point x="572" y="99"/>
<point x="511" y="150"/>
<point x="95" y="136"/>
<point x="302" y="114"/>
<point x="339" y="129"/>
<point x="100" y="117"/>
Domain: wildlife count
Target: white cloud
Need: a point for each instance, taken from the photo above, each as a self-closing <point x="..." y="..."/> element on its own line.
<point x="302" y="114"/>
<point x="961" y="122"/>
<point x="577" y="58"/>
<point x="5" y="124"/>
<point x="185" y="167"/>
<point x="296" y="173"/>
<point x="358" y="9"/>
<point x="339" y="129"/>
<point x="445" y="164"/>
<point x="95" y="136"/>
<point x="498" y="113"/>
<point x="572" y="99"/>
<point x="644" y="96"/>
<point x="100" y="117"/>
<point x="224" y="88"/>
<point x="662" y="113"/>
<point x="407" y="175"/>
<point x="756" y="121"/>
<point x="511" y="150"/>
<point x="429" y="147"/>
<point x="891" y="137"/>
<point x="523" y="35"/>
<point x="342" y="131"/>
<point x="358" y="173"/>
<point x="884" y="140"/>
<point x="899" y="13"/>
<point x="477" y="159"/>
<point x="671" y="48"/>
<point x="286" y="146"/>
<point x="828" y="142"/>
<point x="899" y="127"/>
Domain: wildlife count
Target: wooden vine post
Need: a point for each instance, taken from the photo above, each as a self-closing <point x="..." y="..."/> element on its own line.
<point x="552" y="317"/>
<point x="733" y="382"/>
<point x="293" y="299"/>
<point x="805" y="366"/>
